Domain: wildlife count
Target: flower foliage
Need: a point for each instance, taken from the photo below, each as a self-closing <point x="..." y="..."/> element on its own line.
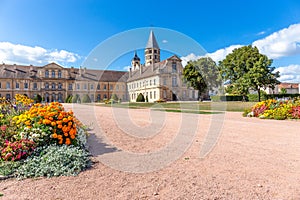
<point x="276" y="109"/>
<point x="43" y="139"/>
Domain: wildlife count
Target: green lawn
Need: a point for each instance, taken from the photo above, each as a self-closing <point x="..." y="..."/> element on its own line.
<point x="193" y="107"/>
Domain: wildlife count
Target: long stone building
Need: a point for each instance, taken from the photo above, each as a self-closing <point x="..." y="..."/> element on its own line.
<point x="155" y="80"/>
<point x="55" y="83"/>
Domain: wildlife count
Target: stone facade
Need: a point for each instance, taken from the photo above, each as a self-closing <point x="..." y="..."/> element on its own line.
<point x="55" y="83"/>
<point x="158" y="80"/>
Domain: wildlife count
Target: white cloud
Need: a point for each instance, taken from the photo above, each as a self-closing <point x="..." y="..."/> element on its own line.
<point x="261" y="33"/>
<point x="21" y="54"/>
<point x="126" y="68"/>
<point x="290" y="73"/>
<point x="222" y="53"/>
<point x="216" y="56"/>
<point x="285" y="42"/>
<point x="164" y="41"/>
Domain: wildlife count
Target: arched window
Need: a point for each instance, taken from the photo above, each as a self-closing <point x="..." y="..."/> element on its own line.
<point x="47" y="73"/>
<point x="59" y="74"/>
<point x="53" y="74"/>
<point x="53" y="86"/>
<point x="59" y="86"/>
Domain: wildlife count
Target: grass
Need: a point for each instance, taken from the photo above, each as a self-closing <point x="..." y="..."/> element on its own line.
<point x="190" y="107"/>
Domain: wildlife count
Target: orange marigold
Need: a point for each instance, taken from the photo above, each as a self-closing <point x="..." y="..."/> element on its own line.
<point x="54" y="135"/>
<point x="53" y="124"/>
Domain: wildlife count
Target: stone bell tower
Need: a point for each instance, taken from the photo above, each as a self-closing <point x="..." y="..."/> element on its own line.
<point x="152" y="51"/>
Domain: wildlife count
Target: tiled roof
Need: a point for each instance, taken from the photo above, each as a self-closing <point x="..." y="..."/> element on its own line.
<point x="288" y="85"/>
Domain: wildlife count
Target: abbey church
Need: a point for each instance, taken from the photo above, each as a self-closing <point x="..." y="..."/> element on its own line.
<point x="158" y="79"/>
<point x="155" y="80"/>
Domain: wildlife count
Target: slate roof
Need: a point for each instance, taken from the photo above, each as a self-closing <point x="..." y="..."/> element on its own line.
<point x="152" y="43"/>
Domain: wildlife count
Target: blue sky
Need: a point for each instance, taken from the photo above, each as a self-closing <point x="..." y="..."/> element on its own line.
<point x="39" y="31"/>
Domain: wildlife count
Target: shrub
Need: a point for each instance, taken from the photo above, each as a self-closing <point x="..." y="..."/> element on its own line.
<point x="37" y="98"/>
<point x="140" y="98"/>
<point x="86" y="99"/>
<point x="69" y="99"/>
<point x="76" y="99"/>
<point x="17" y="150"/>
<point x="114" y="97"/>
<point x="54" y="160"/>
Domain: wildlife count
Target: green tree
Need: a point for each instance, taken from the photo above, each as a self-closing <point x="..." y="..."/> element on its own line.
<point x="283" y="91"/>
<point x="203" y="75"/>
<point x="247" y="69"/>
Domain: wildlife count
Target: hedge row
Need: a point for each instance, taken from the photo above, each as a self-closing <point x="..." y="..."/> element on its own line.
<point x="253" y="97"/>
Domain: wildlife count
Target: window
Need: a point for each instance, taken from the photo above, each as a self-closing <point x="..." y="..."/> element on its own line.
<point x="7" y="96"/>
<point x="98" y="87"/>
<point x="25" y="85"/>
<point x="17" y="86"/>
<point x="174" y="81"/>
<point x="53" y="97"/>
<point x="7" y="85"/>
<point x="154" y="94"/>
<point x="150" y="51"/>
<point x="59" y="86"/>
<point x="150" y="95"/>
<point x="104" y="87"/>
<point x="53" y="86"/>
<point x="47" y="73"/>
<point x="60" y="97"/>
<point x="154" y="82"/>
<point x="34" y="86"/>
<point x="111" y="87"/>
<point x="0" y="84"/>
<point x="70" y="86"/>
<point x="155" y="56"/>
<point x="92" y="86"/>
<point x="98" y="97"/>
<point x="155" y="51"/>
<point x="174" y="67"/>
<point x="85" y="86"/>
<point x="117" y="87"/>
<point x="78" y="86"/>
<point x="53" y="74"/>
<point x="59" y="74"/>
<point x="105" y="96"/>
<point x="165" y="81"/>
<point x="150" y="82"/>
<point x="47" y="85"/>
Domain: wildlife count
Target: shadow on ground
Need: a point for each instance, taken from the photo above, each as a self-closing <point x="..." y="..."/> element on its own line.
<point x="97" y="147"/>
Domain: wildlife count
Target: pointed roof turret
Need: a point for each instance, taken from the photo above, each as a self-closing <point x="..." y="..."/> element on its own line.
<point x="152" y="43"/>
<point x="136" y="56"/>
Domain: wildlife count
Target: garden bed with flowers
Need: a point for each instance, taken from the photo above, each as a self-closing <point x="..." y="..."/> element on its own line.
<point x="40" y="140"/>
<point x="276" y="109"/>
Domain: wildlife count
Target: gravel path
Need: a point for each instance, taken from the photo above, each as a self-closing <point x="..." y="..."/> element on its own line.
<point x="144" y="154"/>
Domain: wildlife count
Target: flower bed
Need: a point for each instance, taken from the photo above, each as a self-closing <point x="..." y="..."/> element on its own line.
<point x="276" y="109"/>
<point x="40" y="139"/>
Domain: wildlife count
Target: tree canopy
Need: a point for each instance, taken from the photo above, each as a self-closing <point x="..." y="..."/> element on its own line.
<point x="202" y="75"/>
<point x="247" y="69"/>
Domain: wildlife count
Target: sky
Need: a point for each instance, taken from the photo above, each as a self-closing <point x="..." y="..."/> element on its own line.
<point x="105" y="34"/>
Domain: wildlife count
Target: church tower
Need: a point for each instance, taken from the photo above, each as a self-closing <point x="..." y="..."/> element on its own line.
<point x="152" y="51"/>
<point x="135" y="62"/>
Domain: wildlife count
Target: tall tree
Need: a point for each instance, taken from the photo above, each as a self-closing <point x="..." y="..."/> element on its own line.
<point x="247" y="69"/>
<point x="202" y="74"/>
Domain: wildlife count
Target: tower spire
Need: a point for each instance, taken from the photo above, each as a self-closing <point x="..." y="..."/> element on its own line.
<point x="152" y="51"/>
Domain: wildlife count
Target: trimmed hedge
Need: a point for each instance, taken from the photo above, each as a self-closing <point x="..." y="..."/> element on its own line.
<point x="228" y="98"/>
<point x="280" y="96"/>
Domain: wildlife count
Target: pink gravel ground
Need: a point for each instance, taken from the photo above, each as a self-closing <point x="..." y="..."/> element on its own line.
<point x="252" y="159"/>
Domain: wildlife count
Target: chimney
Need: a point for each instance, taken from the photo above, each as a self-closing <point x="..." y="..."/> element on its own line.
<point x="141" y="69"/>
